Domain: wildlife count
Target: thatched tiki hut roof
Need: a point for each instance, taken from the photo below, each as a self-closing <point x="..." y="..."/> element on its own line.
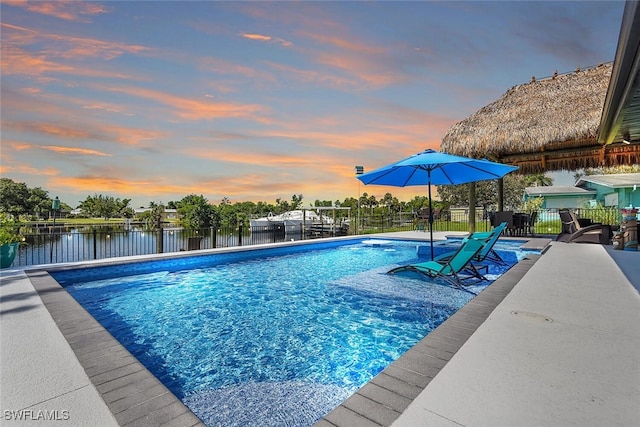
<point x="548" y="124"/>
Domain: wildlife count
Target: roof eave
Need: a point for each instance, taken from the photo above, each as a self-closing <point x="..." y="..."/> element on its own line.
<point x="625" y="79"/>
<point x="564" y="194"/>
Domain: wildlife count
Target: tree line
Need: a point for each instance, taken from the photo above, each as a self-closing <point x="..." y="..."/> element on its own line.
<point x="28" y="204"/>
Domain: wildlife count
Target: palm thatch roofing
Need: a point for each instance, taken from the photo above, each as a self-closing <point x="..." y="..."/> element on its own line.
<point x="548" y="124"/>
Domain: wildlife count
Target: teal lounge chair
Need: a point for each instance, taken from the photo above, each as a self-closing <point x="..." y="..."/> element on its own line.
<point x="448" y="270"/>
<point x="489" y="239"/>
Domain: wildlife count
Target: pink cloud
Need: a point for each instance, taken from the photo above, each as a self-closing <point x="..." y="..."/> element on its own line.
<point x="256" y="37"/>
<point x="111" y="184"/>
<point x="253" y="157"/>
<point x="21" y="62"/>
<point x="195" y="109"/>
<point x="261" y="37"/>
<point x="60" y="46"/>
<point x="74" y="150"/>
<point x="345" y="44"/>
<point x="227" y="67"/>
<point x="63" y="9"/>
<point x="86" y="131"/>
<point x="314" y="76"/>
<point x="26" y="169"/>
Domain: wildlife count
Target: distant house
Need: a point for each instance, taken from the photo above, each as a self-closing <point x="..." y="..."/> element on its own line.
<point x="616" y="190"/>
<point x="620" y="190"/>
<point x="558" y="196"/>
<point x="169" y="214"/>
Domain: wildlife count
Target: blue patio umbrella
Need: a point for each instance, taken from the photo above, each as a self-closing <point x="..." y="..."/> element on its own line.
<point x="435" y="168"/>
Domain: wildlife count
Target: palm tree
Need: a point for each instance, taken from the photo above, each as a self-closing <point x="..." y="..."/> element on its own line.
<point x="538" y="180"/>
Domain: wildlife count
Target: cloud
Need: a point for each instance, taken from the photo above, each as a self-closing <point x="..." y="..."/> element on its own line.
<point x="221" y="66"/>
<point x="66" y="119"/>
<point x="315" y="76"/>
<point x="347" y="60"/>
<point x="111" y="108"/>
<point x="346" y="44"/>
<point x="26" y="169"/>
<point x="68" y="47"/>
<point x="376" y="66"/>
<point x="154" y="187"/>
<point x="85" y="132"/>
<point x="381" y="125"/>
<point x="133" y="136"/>
<point x="90" y="184"/>
<point x="68" y="10"/>
<point x="194" y="109"/>
<point x="255" y="157"/>
<point x="50" y="129"/>
<point x="20" y="62"/>
<point x="260" y="37"/>
<point x="74" y="150"/>
<point x="14" y="145"/>
<point x="256" y="37"/>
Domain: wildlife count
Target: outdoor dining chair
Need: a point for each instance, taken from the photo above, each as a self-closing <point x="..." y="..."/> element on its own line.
<point x="505" y="216"/>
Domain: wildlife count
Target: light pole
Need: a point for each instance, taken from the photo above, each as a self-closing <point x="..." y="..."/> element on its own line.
<point x="55" y="206"/>
<point x="359" y="171"/>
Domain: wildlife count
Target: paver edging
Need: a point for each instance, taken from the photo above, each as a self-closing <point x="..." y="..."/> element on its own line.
<point x="146" y="397"/>
<point x="419" y="365"/>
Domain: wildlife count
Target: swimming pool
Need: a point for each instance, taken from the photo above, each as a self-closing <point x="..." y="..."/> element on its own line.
<point x="267" y="337"/>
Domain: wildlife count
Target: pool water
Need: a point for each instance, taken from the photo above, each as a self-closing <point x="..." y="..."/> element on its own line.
<point x="271" y="340"/>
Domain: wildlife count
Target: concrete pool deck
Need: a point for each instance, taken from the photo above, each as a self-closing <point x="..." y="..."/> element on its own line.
<point x="560" y="348"/>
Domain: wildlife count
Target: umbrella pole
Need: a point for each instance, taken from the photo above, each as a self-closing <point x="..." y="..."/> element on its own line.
<point x="430" y="212"/>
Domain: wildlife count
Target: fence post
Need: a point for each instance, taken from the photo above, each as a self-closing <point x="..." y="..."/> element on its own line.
<point x="240" y="235"/>
<point x="51" y="240"/>
<point x="160" y="241"/>
<point x="212" y="233"/>
<point x="95" y="243"/>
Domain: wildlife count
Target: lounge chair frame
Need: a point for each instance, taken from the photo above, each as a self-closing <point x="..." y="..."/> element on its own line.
<point x="486" y="253"/>
<point x="449" y="270"/>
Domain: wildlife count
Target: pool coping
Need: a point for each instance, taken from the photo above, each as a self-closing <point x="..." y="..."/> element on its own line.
<point x="136" y="397"/>
<point x="383" y="399"/>
<point x="131" y="392"/>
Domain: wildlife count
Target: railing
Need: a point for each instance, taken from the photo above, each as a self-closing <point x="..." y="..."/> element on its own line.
<point x="444" y="221"/>
<point x="547" y="223"/>
<point x="49" y="245"/>
<point x="44" y="245"/>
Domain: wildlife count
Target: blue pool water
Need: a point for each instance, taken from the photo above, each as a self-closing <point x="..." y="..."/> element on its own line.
<point x="270" y="337"/>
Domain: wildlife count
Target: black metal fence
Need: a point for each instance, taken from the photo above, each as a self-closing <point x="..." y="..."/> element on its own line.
<point x="69" y="244"/>
<point x="44" y="245"/>
<point x="547" y="222"/>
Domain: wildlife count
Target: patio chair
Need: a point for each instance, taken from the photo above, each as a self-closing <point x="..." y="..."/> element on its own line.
<point x="448" y="270"/>
<point x="575" y="230"/>
<point x="505" y="216"/>
<point x="489" y="240"/>
<point x="529" y="226"/>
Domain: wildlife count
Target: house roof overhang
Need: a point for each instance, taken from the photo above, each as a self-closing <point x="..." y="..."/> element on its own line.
<point x="620" y="119"/>
<point x="558" y="190"/>
<point x="623" y="180"/>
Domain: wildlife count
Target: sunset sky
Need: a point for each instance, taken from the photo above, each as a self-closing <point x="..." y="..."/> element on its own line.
<point x="155" y="100"/>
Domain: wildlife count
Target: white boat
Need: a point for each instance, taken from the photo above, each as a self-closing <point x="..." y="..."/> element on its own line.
<point x="309" y="222"/>
<point x="292" y="220"/>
